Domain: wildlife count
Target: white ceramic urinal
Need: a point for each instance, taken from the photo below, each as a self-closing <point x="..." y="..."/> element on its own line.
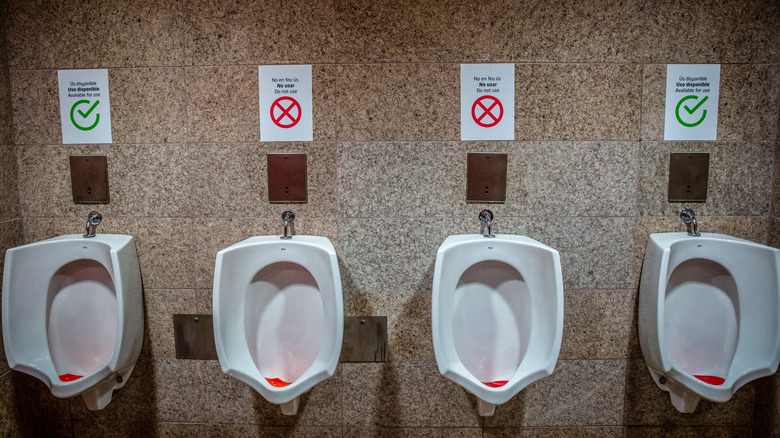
<point x="708" y="315"/>
<point x="73" y="314"/>
<point x="278" y="315"/>
<point x="497" y="314"/>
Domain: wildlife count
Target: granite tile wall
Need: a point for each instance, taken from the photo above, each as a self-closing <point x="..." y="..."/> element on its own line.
<point x="10" y="236"/>
<point x="586" y="174"/>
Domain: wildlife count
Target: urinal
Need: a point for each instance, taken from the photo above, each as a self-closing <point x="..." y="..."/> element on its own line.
<point x="279" y="314"/>
<point x="709" y="306"/>
<point x="73" y="314"/>
<point x="497" y="313"/>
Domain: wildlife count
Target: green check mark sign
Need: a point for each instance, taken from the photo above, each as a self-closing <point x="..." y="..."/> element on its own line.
<point x="84" y="115"/>
<point x="690" y="111"/>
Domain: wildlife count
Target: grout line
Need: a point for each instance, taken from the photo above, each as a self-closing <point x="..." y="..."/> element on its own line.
<point x="9" y="101"/>
<point x="381" y="142"/>
<point x="372" y="63"/>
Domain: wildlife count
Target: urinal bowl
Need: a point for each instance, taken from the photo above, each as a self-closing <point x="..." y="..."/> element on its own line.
<point x="497" y="314"/>
<point x="278" y="315"/>
<point x="73" y="314"/>
<point x="708" y="315"/>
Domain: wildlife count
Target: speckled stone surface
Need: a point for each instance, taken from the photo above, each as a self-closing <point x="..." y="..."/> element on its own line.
<point x="6" y="111"/>
<point x="767" y="416"/>
<point x="410" y="31"/>
<point x="36" y="109"/>
<point x="160" y="389"/>
<point x="577" y="101"/>
<point x="773" y="239"/>
<point x="166" y="247"/>
<point x="387" y="102"/>
<point x="595" y="252"/>
<point x="401" y="179"/>
<point x="123" y="34"/>
<point x="572" y="31"/>
<point x="498" y="31"/>
<point x="10" y="236"/>
<point x="390" y="255"/>
<point x="712" y="32"/>
<point x="408" y="321"/>
<point x="222" y="233"/>
<point x="384" y="255"/>
<point x="192" y="180"/>
<point x="159" y="307"/>
<point x="739" y="184"/>
<point x="20" y="395"/>
<point x="229" y="400"/>
<point x="579" y="393"/>
<point x="599" y="324"/>
<point x="243" y="430"/>
<point x="556" y="432"/>
<point x="144" y="180"/>
<point x="775" y="212"/>
<point x="147" y="105"/>
<point x="747" y="104"/>
<point x="404" y="395"/>
<point x="562" y="179"/>
<point x="222" y="104"/>
<point x="132" y="429"/>
<point x="9" y="190"/>
<point x="262" y="32"/>
<point x="689" y="432"/>
<point x="646" y="404"/>
<point x="232" y="179"/>
<point x="412" y="432"/>
<point x="408" y="179"/>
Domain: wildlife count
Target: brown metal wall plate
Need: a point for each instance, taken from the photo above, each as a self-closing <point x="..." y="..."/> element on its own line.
<point x="688" y="175"/>
<point x="365" y="339"/>
<point x="486" y="177"/>
<point x="287" y="177"/>
<point x="194" y="337"/>
<point x="89" y="179"/>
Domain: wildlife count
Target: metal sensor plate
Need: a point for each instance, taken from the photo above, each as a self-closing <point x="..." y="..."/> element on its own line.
<point x="89" y="179"/>
<point x="486" y="177"/>
<point x="287" y="177"/>
<point x="688" y="175"/>
<point x="365" y="339"/>
<point x="194" y="337"/>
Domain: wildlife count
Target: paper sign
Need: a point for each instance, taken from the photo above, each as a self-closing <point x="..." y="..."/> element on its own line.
<point x="692" y="92"/>
<point x="285" y="103"/>
<point x="487" y="101"/>
<point x="85" y="109"/>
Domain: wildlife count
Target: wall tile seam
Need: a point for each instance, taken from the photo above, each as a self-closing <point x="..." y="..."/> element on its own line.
<point x="330" y="64"/>
<point x="16" y="69"/>
<point x="543" y="216"/>
<point x="180" y="143"/>
<point x="384" y="142"/>
<point x="9" y="99"/>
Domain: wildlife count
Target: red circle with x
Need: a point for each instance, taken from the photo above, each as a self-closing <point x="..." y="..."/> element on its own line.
<point x="487" y="107"/>
<point x="285" y="112"/>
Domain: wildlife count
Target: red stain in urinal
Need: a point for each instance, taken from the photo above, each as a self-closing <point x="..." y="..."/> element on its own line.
<point x="279" y="383"/>
<point x="712" y="380"/>
<point x="69" y="377"/>
<point x="496" y="383"/>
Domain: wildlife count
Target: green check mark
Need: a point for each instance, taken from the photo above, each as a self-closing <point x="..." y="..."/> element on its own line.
<point x="84" y="114"/>
<point x="690" y="110"/>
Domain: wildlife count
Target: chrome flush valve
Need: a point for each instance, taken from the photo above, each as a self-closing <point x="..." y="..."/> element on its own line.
<point x="486" y="219"/>
<point x="93" y="220"/>
<point x="288" y="217"/>
<point x="689" y="218"/>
